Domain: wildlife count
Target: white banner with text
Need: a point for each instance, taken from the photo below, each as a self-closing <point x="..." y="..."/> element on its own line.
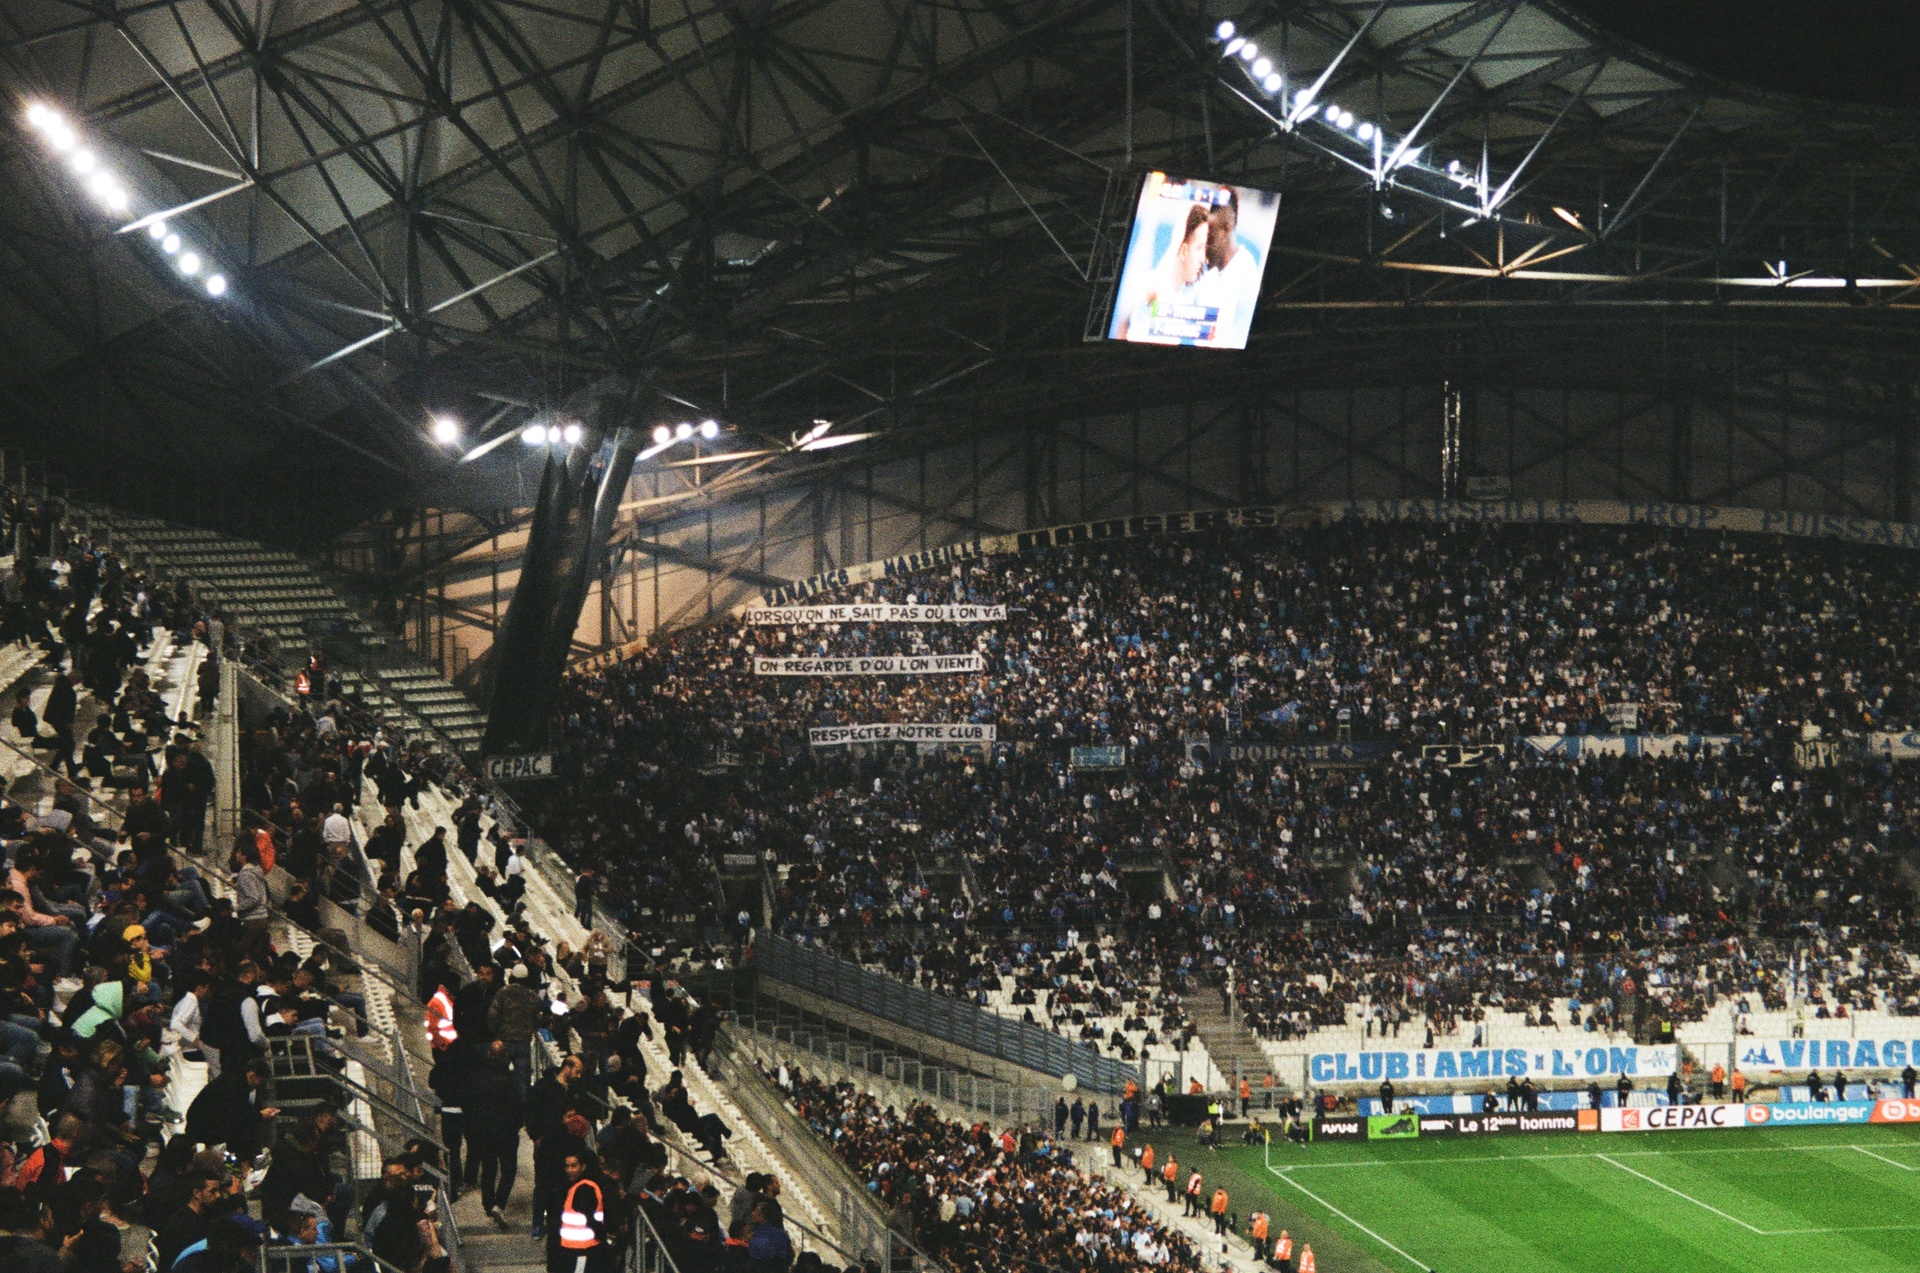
<point x="872" y="665"/>
<point x="899" y="732"/>
<point x="875" y="613"/>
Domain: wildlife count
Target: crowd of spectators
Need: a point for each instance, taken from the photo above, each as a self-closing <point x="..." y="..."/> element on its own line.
<point x="981" y="1200"/>
<point x="1621" y="893"/>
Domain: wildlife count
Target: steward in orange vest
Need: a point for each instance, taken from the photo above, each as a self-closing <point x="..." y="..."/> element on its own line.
<point x="1219" y="1210"/>
<point x="1146" y="1163"/>
<point x="1257" y="1227"/>
<point x="1119" y="1142"/>
<point x="1170" y="1176"/>
<point x="1193" y="1194"/>
<point x="1306" y="1260"/>
<point x="1283" y="1253"/>
<point x="581" y="1243"/>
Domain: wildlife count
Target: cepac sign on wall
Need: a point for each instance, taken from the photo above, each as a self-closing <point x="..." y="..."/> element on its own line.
<point x="518" y="768"/>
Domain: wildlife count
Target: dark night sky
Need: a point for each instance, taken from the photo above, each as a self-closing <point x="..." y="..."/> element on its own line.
<point x="1865" y="51"/>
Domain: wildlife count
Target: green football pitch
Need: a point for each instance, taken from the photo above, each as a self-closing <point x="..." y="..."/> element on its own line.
<point x="1825" y="1200"/>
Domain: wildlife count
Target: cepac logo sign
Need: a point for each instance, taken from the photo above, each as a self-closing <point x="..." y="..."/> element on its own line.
<point x="1674" y="1118"/>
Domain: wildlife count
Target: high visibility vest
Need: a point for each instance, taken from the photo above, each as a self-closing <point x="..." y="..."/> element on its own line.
<point x="1246" y="1089"/>
<point x="1172" y="1173"/>
<point x="1283" y="1249"/>
<point x="1219" y="1207"/>
<point x="440" y="1018"/>
<point x="1259" y="1229"/>
<point x="1306" y="1260"/>
<point x="576" y="1224"/>
<point x="1120" y="1138"/>
<point x="1146" y="1158"/>
<point x="1193" y="1184"/>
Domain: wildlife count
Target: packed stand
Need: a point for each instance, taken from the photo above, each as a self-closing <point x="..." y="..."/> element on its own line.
<point x="1612" y="894"/>
<point x="982" y="1200"/>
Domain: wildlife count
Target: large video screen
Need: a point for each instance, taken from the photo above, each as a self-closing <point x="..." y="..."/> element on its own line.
<point x="1193" y="265"/>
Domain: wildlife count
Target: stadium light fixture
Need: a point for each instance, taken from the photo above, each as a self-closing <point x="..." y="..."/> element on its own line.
<point x="1569" y="217"/>
<point x="1332" y="113"/>
<point x="1224" y="31"/>
<point x="110" y="192"/>
<point x="1249" y="51"/>
<point x="571" y="434"/>
<point x="534" y="435"/>
<point x="1262" y="68"/>
<point x="1274" y="82"/>
<point x="1235" y="45"/>
<point x="709" y="429"/>
<point x="1365" y="132"/>
<point x="682" y="431"/>
<point x="446" y="429"/>
<point x="662" y="435"/>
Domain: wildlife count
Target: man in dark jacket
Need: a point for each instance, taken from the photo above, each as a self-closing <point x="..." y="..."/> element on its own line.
<point x="63" y="703"/>
<point x="494" y="1109"/>
<point x="228" y="1112"/>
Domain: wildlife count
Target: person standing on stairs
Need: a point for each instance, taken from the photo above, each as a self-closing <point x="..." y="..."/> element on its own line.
<point x="62" y="705"/>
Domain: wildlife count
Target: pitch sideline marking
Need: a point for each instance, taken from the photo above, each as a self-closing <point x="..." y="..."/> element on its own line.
<point x="1882" y="1157"/>
<point x="1619" y="1153"/>
<point x="1705" y="1206"/>
<point x="1349" y="1219"/>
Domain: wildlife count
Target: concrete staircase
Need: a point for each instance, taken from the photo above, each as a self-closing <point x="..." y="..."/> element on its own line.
<point x="273" y="593"/>
<point x="1233" y="1048"/>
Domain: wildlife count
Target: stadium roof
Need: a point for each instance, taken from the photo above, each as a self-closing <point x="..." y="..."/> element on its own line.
<point x="881" y="212"/>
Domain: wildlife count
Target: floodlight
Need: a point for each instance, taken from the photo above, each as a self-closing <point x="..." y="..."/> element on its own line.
<point x="446" y="429"/>
<point x="571" y="433"/>
<point x="1274" y="82"/>
<point x="1346" y="119"/>
<point x="116" y="198"/>
<point x="1262" y="68"/>
<point x="662" y="435"/>
<point x="1303" y="98"/>
<point x="683" y="430"/>
<point x="1249" y="51"/>
<point x="534" y="435"/>
<point x="1453" y="167"/>
<point x="157" y="230"/>
<point x="216" y="285"/>
<point x="1234" y="46"/>
<point x="1332" y="113"/>
<point x="189" y="263"/>
<point x="98" y="184"/>
<point x="1224" y="31"/>
<point x="60" y="137"/>
<point x="39" y="116"/>
<point x="709" y="429"/>
<point x="170" y="244"/>
<point x="83" y="161"/>
<point x="1366" y="132"/>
